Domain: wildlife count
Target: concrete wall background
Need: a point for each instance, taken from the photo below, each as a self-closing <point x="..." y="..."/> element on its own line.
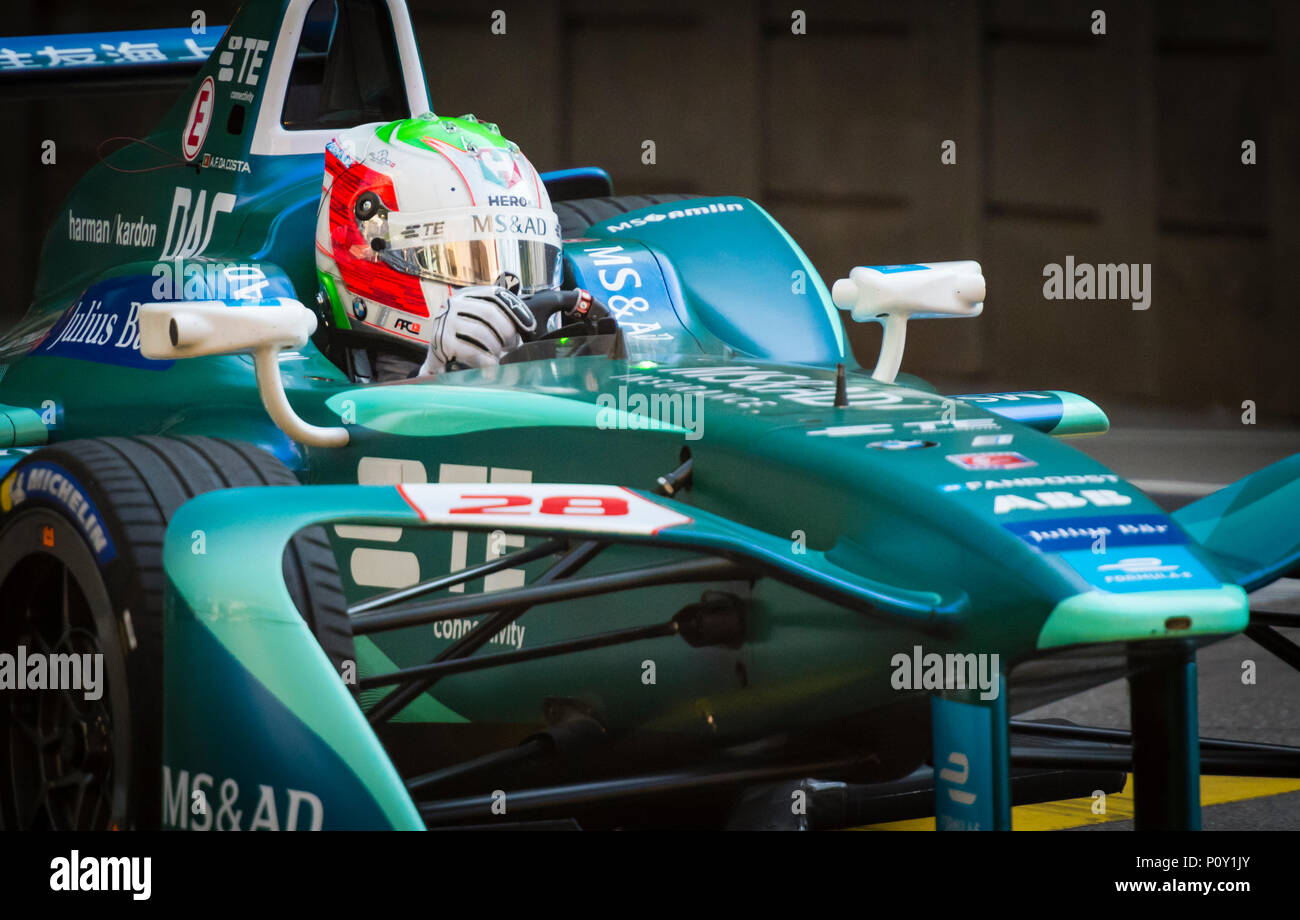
<point x="1123" y="147"/>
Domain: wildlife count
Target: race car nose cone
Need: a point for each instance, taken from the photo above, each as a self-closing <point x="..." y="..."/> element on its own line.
<point x="1102" y="616"/>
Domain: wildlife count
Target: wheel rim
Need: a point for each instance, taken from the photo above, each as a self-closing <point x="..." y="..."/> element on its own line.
<point x="66" y="757"/>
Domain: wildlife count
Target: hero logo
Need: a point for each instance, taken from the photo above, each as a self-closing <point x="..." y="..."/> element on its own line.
<point x="508" y="201"/>
<point x="1042" y="501"/>
<point x="196" y="126"/>
<point x="189" y="228"/>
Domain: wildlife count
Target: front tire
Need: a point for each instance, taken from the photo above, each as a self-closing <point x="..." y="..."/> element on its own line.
<point x="81" y="535"/>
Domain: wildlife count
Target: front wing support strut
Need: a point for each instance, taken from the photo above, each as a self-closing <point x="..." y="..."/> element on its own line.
<point x="1166" y="736"/>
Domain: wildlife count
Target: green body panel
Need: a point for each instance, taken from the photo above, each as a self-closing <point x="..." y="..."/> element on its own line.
<point x="885" y="529"/>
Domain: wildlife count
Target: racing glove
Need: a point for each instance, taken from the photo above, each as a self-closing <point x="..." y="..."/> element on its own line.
<point x="476" y="326"/>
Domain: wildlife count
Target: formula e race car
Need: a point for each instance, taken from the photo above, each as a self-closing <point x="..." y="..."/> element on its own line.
<point x="694" y="568"/>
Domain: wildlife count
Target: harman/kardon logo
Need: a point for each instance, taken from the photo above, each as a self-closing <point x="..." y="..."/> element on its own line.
<point x="103" y="873"/>
<point x="137" y="232"/>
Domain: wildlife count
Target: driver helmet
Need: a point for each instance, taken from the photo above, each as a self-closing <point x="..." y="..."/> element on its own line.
<point x="414" y="209"/>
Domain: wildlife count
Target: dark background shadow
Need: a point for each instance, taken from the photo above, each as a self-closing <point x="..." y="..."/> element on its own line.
<point x="1123" y="147"/>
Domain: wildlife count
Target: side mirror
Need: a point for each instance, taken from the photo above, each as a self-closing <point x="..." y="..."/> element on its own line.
<point x="893" y="294"/>
<point x="195" y="328"/>
<point x="192" y="328"/>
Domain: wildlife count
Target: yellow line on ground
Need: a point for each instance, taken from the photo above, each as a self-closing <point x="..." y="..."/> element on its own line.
<point x="1055" y="816"/>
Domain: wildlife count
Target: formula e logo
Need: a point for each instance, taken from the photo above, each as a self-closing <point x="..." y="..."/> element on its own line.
<point x="956" y="773"/>
<point x="1145" y="567"/>
<point x="189" y="227"/>
<point x="507" y="201"/>
<point x="196" y="126"/>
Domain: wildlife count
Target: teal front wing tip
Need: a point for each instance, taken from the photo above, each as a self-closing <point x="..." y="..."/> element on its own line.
<point x="1079" y="416"/>
<point x="1100" y="616"/>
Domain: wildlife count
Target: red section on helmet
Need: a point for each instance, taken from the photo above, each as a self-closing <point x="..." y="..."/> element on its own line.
<point x="363" y="275"/>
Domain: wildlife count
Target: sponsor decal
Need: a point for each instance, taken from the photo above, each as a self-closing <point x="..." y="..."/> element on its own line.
<point x="508" y="201"/>
<point x="228" y="164"/>
<point x="191" y="222"/>
<point x="119" y="231"/>
<point x="199" y="120"/>
<point x="1018" y="396"/>
<point x="963" y="745"/>
<point x="512" y="635"/>
<point x="515" y="224"/>
<point x="633" y="290"/>
<point x="104" y="325"/>
<point x="1157" y="568"/>
<point x="802" y="389"/>
<point x="1027" y="482"/>
<point x="498" y="165"/>
<point x="681" y="214"/>
<point x="896" y="444"/>
<point x="992" y="460"/>
<point x="337" y="150"/>
<point x="1060" y="500"/>
<point x="991" y="440"/>
<point x="46" y="480"/>
<point x="205" y="804"/>
<point x="423" y="231"/>
<point x="895" y="269"/>
<point x="145" y="46"/>
<point x="916" y="427"/>
<point x="405" y="325"/>
<point x="241" y="60"/>
<point x="1063" y="534"/>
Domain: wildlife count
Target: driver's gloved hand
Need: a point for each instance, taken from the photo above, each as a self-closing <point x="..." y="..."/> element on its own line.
<point x="475" y="326"/>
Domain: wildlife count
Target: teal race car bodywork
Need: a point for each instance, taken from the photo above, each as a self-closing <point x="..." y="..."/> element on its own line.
<point x="773" y="561"/>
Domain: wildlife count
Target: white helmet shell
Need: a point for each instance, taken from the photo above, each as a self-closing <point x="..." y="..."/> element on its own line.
<point x="413" y="209"/>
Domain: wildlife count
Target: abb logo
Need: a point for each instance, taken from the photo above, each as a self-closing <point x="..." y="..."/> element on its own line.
<point x="542" y="507"/>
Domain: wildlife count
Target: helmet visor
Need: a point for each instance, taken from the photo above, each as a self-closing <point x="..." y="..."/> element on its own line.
<point x="467" y="246"/>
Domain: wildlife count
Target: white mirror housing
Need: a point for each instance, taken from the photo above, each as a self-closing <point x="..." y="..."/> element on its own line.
<point x="196" y="328"/>
<point x="893" y="294"/>
<point x="191" y="328"/>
